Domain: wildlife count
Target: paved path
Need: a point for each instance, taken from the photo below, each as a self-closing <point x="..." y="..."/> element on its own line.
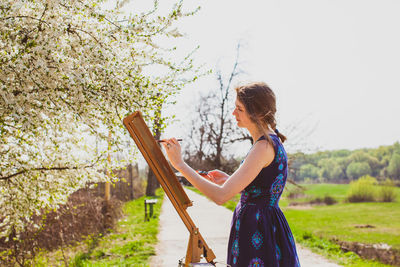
<point x="213" y="222"/>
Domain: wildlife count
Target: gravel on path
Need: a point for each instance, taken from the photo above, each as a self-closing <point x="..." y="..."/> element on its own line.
<point x="213" y="222"/>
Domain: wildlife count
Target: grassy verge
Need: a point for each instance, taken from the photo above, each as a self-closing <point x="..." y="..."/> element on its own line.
<point x="342" y="222"/>
<point x="130" y="244"/>
<point x="315" y="226"/>
<point x="308" y="228"/>
<point x="331" y="250"/>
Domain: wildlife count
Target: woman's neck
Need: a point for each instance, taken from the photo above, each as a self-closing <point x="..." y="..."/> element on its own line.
<point x="256" y="132"/>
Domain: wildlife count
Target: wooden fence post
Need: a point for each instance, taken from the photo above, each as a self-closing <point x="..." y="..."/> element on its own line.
<point x="130" y="179"/>
<point x="107" y="185"/>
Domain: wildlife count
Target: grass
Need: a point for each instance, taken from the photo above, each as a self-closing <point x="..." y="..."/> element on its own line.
<point x="322" y="224"/>
<point x="337" y="191"/>
<point x="317" y="226"/>
<point x="130" y="244"/>
<point x="339" y="221"/>
<point x="331" y="250"/>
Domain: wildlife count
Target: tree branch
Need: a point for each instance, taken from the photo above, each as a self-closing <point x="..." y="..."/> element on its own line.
<point x="51" y="169"/>
<point x="26" y="17"/>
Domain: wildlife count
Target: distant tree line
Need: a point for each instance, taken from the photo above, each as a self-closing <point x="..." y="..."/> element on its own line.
<point x="345" y="165"/>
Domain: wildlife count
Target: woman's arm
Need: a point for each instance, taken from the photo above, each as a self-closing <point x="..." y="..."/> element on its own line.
<point x="260" y="155"/>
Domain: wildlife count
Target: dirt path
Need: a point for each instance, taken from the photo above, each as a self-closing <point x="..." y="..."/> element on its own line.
<point x="213" y="222"/>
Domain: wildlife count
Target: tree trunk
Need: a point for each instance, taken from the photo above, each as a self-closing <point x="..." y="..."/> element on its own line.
<point x="152" y="182"/>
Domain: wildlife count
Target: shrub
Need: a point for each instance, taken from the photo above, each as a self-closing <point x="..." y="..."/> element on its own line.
<point x="308" y="180"/>
<point x="362" y="190"/>
<point x="83" y="215"/>
<point x="328" y="200"/>
<point x="295" y="193"/>
<point x="307" y="235"/>
<point x="317" y="200"/>
<point x="387" y="191"/>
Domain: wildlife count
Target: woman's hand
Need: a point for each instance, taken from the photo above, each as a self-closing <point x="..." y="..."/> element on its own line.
<point x="218" y="177"/>
<point x="173" y="150"/>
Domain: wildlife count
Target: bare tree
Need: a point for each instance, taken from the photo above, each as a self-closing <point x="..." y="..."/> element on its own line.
<point x="214" y="127"/>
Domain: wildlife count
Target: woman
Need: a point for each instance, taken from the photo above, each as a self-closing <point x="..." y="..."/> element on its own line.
<point x="260" y="234"/>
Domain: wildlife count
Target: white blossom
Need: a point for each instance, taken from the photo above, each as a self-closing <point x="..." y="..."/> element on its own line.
<point x="69" y="73"/>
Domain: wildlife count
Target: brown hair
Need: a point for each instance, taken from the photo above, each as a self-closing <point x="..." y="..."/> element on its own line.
<point x="260" y="103"/>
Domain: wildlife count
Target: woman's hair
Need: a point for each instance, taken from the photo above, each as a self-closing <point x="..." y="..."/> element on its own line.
<point x="260" y="103"/>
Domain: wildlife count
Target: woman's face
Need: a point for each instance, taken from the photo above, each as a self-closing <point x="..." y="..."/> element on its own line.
<point x="241" y="115"/>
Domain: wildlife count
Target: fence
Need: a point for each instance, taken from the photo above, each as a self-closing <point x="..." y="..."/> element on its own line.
<point x="129" y="185"/>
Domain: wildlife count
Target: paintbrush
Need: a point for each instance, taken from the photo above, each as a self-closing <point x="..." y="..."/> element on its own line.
<point x="161" y="141"/>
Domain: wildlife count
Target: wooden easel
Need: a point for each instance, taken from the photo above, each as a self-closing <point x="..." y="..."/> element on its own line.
<point x="151" y="151"/>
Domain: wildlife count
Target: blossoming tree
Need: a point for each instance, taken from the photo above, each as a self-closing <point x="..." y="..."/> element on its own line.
<point x="69" y="72"/>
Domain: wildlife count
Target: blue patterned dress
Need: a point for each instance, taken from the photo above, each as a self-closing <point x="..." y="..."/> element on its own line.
<point x="260" y="235"/>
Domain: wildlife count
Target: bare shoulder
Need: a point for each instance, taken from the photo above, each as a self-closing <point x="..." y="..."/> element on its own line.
<point x="262" y="154"/>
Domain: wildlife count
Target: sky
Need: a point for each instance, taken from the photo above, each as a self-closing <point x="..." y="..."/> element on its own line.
<point x="334" y="65"/>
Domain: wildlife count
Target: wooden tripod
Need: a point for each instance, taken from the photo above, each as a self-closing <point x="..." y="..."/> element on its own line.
<point x="151" y="151"/>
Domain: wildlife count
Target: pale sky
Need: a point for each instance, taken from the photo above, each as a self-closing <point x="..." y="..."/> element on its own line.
<point x="333" y="64"/>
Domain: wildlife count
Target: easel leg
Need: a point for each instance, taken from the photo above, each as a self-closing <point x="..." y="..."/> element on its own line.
<point x="193" y="250"/>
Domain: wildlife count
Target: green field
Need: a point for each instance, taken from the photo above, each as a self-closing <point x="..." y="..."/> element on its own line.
<point x="317" y="226"/>
<point x="339" y="221"/>
<point x="338" y="191"/>
<point x="323" y="224"/>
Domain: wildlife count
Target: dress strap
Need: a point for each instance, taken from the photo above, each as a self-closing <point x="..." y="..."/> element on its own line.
<point x="262" y="137"/>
